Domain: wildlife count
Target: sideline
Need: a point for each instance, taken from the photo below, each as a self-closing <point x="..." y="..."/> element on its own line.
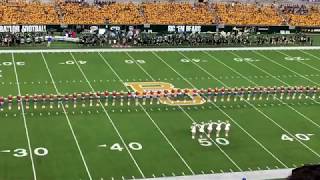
<point x="161" y="49"/>
<point x="256" y="175"/>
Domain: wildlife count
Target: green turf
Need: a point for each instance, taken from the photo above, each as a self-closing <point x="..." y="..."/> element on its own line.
<point x="72" y="140"/>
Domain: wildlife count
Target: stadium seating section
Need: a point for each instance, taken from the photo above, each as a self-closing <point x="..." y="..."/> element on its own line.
<point x="61" y="12"/>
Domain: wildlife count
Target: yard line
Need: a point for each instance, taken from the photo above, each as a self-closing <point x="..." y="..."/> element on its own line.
<point x="286" y="68"/>
<point x="24" y="120"/>
<point x="111" y="121"/>
<point x="245" y="131"/>
<point x="68" y="120"/>
<point x="310" y="66"/>
<point x="235" y="71"/>
<point x="287" y="85"/>
<point x="307" y="53"/>
<point x="155" y="124"/>
<point x="233" y="162"/>
<point x="262" y="113"/>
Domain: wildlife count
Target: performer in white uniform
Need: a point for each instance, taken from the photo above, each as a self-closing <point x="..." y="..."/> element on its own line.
<point x="210" y="128"/>
<point x="201" y="129"/>
<point x="227" y="128"/>
<point x="218" y="128"/>
<point x="193" y="130"/>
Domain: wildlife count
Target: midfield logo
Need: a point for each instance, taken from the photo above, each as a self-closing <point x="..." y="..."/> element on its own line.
<point x="176" y="100"/>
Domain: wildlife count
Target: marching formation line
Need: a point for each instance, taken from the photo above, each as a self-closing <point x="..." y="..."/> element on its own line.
<point x="161" y="49"/>
<point x="68" y="120"/>
<point x="111" y="121"/>
<point x="245" y="131"/>
<point x="262" y="113"/>
<point x="24" y="121"/>
<point x="155" y="124"/>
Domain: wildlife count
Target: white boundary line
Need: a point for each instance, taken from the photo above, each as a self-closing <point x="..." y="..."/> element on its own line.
<point x="260" y="144"/>
<point x="262" y="113"/>
<point x="68" y="120"/>
<point x="24" y="120"/>
<point x="155" y="124"/>
<point x="162" y="49"/>
<point x="111" y="121"/>
<point x="256" y="175"/>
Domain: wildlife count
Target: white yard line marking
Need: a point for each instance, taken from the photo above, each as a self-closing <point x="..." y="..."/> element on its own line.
<point x="275" y="62"/>
<point x="68" y="120"/>
<point x="5" y="151"/>
<point x="111" y="121"/>
<point x="304" y="116"/>
<point x="24" y="121"/>
<point x="235" y="71"/>
<point x="245" y="131"/>
<point x="262" y="113"/>
<point x="155" y="124"/>
<point x="233" y="162"/>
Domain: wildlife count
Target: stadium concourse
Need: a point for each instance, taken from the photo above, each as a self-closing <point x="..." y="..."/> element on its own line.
<point x="101" y="12"/>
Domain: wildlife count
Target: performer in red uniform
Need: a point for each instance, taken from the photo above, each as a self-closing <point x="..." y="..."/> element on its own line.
<point x="27" y="99"/>
<point x="74" y="99"/>
<point x="97" y="97"/>
<point x="1" y="103"/>
<point x="129" y="96"/>
<point x="10" y="99"/>
<point x="106" y="98"/>
<point x="19" y="100"/>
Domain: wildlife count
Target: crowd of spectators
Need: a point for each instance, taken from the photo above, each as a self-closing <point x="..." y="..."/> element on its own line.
<point x="179" y="13"/>
<point x="28" y="13"/>
<point x="247" y="14"/>
<point x="102" y="12"/>
<point x="310" y="18"/>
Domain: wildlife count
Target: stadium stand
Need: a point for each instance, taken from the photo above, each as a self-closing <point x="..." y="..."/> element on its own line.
<point x="28" y="13"/>
<point x="177" y="13"/>
<point x="247" y="14"/>
<point x="102" y="12"/>
<point x="303" y="16"/>
<point x="115" y="13"/>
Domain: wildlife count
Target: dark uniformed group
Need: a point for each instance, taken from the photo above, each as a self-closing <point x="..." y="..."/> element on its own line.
<point x="121" y="98"/>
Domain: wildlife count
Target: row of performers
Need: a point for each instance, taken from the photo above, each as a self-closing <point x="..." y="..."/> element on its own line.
<point x="242" y="93"/>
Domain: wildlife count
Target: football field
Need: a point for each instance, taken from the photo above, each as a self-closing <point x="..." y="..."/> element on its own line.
<point x="146" y="141"/>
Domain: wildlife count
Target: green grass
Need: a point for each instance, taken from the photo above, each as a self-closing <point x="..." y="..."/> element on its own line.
<point x="72" y="140"/>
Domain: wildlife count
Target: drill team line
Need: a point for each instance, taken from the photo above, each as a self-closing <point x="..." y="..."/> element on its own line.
<point x="173" y="97"/>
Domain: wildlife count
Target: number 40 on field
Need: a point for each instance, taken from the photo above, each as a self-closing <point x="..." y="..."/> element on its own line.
<point x="299" y="136"/>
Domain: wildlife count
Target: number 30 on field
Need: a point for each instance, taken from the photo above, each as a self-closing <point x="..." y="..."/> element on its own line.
<point x="40" y="151"/>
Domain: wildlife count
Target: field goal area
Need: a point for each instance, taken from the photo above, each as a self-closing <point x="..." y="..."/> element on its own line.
<point x="128" y="131"/>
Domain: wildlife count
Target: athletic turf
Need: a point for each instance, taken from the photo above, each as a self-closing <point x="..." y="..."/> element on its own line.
<point x="118" y="142"/>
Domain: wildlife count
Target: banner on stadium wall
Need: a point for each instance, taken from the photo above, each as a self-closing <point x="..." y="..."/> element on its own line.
<point x="172" y="28"/>
<point x="23" y="28"/>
